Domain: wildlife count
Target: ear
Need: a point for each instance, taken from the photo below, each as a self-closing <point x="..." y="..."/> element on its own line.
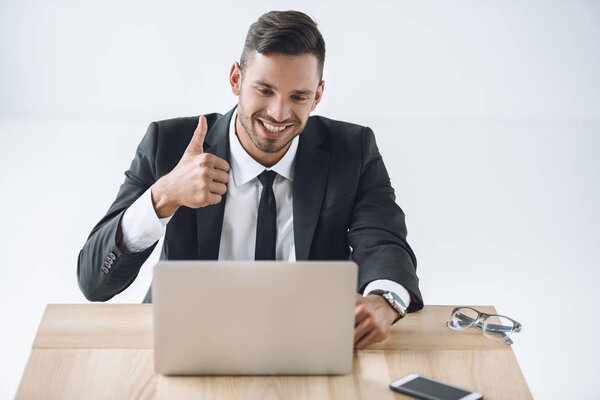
<point x="318" y="95"/>
<point x="235" y="78"/>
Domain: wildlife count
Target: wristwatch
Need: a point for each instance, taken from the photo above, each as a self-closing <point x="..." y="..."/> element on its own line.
<point x="394" y="300"/>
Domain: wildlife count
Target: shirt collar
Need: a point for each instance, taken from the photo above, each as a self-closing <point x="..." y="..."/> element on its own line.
<point x="244" y="168"/>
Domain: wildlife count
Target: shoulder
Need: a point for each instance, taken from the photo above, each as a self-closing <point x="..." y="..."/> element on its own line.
<point x="339" y="135"/>
<point x="334" y="127"/>
<point x="166" y="140"/>
<point x="174" y="134"/>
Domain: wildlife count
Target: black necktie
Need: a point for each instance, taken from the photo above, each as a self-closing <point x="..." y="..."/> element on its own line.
<point x="266" y="224"/>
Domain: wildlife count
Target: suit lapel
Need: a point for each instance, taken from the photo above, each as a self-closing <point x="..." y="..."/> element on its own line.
<point x="209" y="220"/>
<point x="310" y="180"/>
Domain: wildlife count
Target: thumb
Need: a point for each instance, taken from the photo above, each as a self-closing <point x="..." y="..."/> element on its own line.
<point x="197" y="143"/>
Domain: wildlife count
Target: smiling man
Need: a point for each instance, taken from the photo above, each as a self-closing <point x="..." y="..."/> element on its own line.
<point x="265" y="181"/>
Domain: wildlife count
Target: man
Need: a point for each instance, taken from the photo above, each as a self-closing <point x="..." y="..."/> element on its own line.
<point x="263" y="181"/>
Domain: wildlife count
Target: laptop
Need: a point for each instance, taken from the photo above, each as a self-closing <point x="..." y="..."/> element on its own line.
<point x="253" y="318"/>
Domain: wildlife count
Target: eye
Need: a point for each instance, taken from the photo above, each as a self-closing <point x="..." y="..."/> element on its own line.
<point x="298" y="98"/>
<point x="264" y="91"/>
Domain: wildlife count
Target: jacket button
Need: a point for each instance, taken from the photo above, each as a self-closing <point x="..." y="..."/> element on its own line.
<point x="104" y="269"/>
<point x="107" y="263"/>
<point x="112" y="256"/>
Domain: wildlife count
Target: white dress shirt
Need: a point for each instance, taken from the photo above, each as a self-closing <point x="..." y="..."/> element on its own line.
<point x="238" y="237"/>
<point x="141" y="226"/>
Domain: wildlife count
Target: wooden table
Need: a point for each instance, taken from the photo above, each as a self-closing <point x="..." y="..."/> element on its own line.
<point x="104" y="351"/>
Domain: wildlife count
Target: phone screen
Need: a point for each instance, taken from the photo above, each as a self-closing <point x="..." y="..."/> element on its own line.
<point x="428" y="389"/>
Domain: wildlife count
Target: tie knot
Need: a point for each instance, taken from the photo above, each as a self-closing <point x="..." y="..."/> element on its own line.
<point x="267" y="178"/>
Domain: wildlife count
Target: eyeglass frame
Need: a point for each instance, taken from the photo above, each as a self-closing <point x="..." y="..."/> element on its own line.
<point x="481" y="317"/>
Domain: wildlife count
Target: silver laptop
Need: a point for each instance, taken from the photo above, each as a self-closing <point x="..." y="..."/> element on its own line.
<point x="253" y="318"/>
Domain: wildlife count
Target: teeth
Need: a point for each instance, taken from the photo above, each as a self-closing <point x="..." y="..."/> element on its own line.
<point x="271" y="128"/>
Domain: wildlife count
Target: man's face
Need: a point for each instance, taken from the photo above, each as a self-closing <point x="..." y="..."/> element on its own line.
<point x="276" y="95"/>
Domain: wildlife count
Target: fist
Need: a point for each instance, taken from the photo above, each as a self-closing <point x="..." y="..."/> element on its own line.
<point x="373" y="318"/>
<point x="199" y="179"/>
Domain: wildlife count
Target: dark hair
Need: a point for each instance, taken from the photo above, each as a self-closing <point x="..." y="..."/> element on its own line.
<point x="291" y="33"/>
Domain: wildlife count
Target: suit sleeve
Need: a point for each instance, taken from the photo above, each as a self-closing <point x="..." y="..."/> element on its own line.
<point x="377" y="232"/>
<point x="104" y="268"/>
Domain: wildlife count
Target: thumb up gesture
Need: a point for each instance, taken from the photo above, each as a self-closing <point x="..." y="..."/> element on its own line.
<point x="198" y="180"/>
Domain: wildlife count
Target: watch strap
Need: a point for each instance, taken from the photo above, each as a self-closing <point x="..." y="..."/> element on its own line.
<point x="393" y="300"/>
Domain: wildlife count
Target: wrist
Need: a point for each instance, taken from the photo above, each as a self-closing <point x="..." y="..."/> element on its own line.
<point x="163" y="205"/>
<point x="391" y="314"/>
<point x="393" y="300"/>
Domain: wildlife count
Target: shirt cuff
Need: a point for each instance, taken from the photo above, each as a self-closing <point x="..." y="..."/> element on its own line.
<point x="391" y="286"/>
<point x="140" y="225"/>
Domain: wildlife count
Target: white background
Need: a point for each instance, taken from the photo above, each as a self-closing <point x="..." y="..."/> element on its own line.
<point x="487" y="115"/>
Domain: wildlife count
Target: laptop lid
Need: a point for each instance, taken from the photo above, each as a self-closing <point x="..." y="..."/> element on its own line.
<point x="253" y="318"/>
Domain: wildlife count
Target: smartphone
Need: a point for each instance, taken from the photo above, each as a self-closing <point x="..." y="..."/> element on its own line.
<point x="428" y="389"/>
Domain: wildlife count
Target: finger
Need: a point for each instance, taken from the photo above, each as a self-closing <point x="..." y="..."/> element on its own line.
<point x="360" y="314"/>
<point x="366" y="340"/>
<point x="197" y="143"/>
<point x="361" y="330"/>
<point x="217" y="188"/>
<point x="210" y="160"/>
<point x="221" y="164"/>
<point x="214" y="198"/>
<point x="220" y="176"/>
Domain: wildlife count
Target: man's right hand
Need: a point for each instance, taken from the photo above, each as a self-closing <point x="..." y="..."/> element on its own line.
<point x="198" y="180"/>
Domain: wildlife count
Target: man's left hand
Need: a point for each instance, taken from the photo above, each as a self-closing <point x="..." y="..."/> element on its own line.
<point x="373" y="320"/>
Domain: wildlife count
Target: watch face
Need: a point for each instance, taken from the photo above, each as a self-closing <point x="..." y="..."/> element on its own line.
<point x="395" y="300"/>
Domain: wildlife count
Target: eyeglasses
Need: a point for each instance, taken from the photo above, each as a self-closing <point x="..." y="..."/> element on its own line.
<point x="493" y="326"/>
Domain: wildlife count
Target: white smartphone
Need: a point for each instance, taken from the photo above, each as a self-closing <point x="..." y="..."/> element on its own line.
<point x="428" y="389"/>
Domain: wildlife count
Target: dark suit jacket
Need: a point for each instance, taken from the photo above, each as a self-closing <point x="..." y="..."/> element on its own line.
<point x="344" y="207"/>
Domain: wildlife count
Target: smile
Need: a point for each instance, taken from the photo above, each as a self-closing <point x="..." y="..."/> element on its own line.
<point x="273" y="128"/>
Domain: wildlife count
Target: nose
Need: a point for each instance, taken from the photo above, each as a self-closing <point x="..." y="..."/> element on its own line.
<point x="278" y="109"/>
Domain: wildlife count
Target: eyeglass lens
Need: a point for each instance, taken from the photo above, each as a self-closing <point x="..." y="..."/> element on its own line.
<point x="463" y="318"/>
<point x="494" y="327"/>
<point x="497" y="327"/>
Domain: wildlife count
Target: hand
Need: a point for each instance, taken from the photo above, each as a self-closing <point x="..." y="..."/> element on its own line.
<point x="373" y="318"/>
<point x="198" y="180"/>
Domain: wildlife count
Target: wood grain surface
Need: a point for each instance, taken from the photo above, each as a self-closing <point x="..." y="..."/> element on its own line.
<point x="104" y="351"/>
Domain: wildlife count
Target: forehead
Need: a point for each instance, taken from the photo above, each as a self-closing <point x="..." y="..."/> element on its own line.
<point x="283" y="71"/>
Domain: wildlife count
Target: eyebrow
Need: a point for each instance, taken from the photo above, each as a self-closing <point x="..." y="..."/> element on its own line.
<point x="269" y="86"/>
